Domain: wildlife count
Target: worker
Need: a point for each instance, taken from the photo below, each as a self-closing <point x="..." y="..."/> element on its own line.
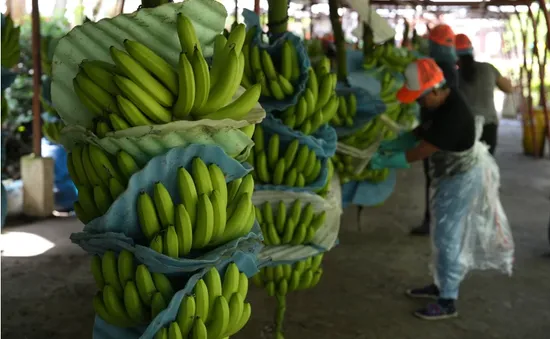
<point x="442" y="50"/>
<point x="446" y="136"/>
<point x="477" y="81"/>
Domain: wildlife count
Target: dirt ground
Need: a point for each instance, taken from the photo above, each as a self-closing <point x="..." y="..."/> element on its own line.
<point x="361" y="293"/>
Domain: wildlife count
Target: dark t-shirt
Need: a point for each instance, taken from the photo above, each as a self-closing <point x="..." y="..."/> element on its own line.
<point x="452" y="129"/>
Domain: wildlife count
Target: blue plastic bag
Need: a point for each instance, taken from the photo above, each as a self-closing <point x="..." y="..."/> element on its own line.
<point x="119" y="227"/>
<point x="65" y="192"/>
<point x="103" y="330"/>
<point x="251" y="19"/>
<point x="368" y="107"/>
<point x="157" y="262"/>
<point x="122" y="215"/>
<point x="367" y="193"/>
<point x="324" y="139"/>
<point x="355" y="60"/>
<point x="285" y="140"/>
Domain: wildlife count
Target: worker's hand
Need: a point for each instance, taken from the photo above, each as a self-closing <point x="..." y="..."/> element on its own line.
<point x="402" y="143"/>
<point x="393" y="160"/>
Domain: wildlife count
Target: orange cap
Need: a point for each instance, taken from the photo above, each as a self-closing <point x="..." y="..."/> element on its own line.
<point x="462" y="42"/>
<point x="442" y="35"/>
<point x="420" y="76"/>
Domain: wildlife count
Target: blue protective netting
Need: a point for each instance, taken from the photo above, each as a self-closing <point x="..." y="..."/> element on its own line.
<point x="102" y="330"/>
<point x="368" y="107"/>
<point x="119" y="227"/>
<point x="367" y="193"/>
<point x="285" y="140"/>
<point x="251" y="19"/>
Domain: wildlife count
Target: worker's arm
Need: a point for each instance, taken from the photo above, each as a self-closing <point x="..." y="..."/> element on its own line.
<point x="505" y="85"/>
<point x="422" y="151"/>
<point x="402" y="159"/>
<point x="502" y="83"/>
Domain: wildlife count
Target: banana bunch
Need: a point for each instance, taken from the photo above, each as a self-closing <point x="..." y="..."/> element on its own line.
<point x="210" y="212"/>
<point x="129" y="295"/>
<point x="344" y="165"/>
<point x="317" y="105"/>
<point x="99" y="177"/>
<point x="295" y="225"/>
<point x="52" y="130"/>
<point x="365" y="136"/>
<point x="295" y="166"/>
<point x="389" y="88"/>
<point x="214" y="310"/>
<point x="407" y="115"/>
<point x="347" y="109"/>
<point x="142" y="89"/>
<point x="10" y="43"/>
<point x="323" y="191"/>
<point x="259" y="68"/>
<point x="390" y="56"/>
<point x="280" y="279"/>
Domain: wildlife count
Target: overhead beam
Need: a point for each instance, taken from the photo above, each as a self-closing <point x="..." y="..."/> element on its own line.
<point x="454" y="3"/>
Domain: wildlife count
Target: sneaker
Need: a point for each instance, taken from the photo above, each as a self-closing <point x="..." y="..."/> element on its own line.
<point x="428" y="292"/>
<point x="437" y="312"/>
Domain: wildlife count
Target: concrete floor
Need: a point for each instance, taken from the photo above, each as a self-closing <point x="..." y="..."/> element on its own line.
<point x="361" y="293"/>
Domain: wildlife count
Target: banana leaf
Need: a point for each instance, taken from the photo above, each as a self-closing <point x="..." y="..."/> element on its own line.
<point x="154" y="27"/>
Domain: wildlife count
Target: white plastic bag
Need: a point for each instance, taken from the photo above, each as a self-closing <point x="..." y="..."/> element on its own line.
<point x="470" y="229"/>
<point x="491" y="244"/>
<point x="326" y="236"/>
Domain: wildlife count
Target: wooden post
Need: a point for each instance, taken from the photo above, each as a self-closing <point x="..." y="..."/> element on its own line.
<point x="529" y="74"/>
<point x="342" y="67"/>
<point x="236" y="11"/>
<point x="310" y="20"/>
<point x="36" y="81"/>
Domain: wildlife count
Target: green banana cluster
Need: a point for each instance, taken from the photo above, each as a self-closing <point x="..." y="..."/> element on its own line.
<point x="129" y="295"/>
<point x="142" y="89"/>
<point x="318" y="104"/>
<point x="259" y="68"/>
<point x="99" y="177"/>
<point x="211" y="212"/>
<point x="281" y="279"/>
<point x="390" y="56"/>
<point x="389" y="88"/>
<point x="10" y="43"/>
<point x="330" y="168"/>
<point x="407" y="115"/>
<point x="295" y="166"/>
<point x="52" y="130"/>
<point x="366" y="135"/>
<point x="215" y="309"/>
<point x="347" y="109"/>
<point x="346" y="170"/>
<point x="294" y="225"/>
